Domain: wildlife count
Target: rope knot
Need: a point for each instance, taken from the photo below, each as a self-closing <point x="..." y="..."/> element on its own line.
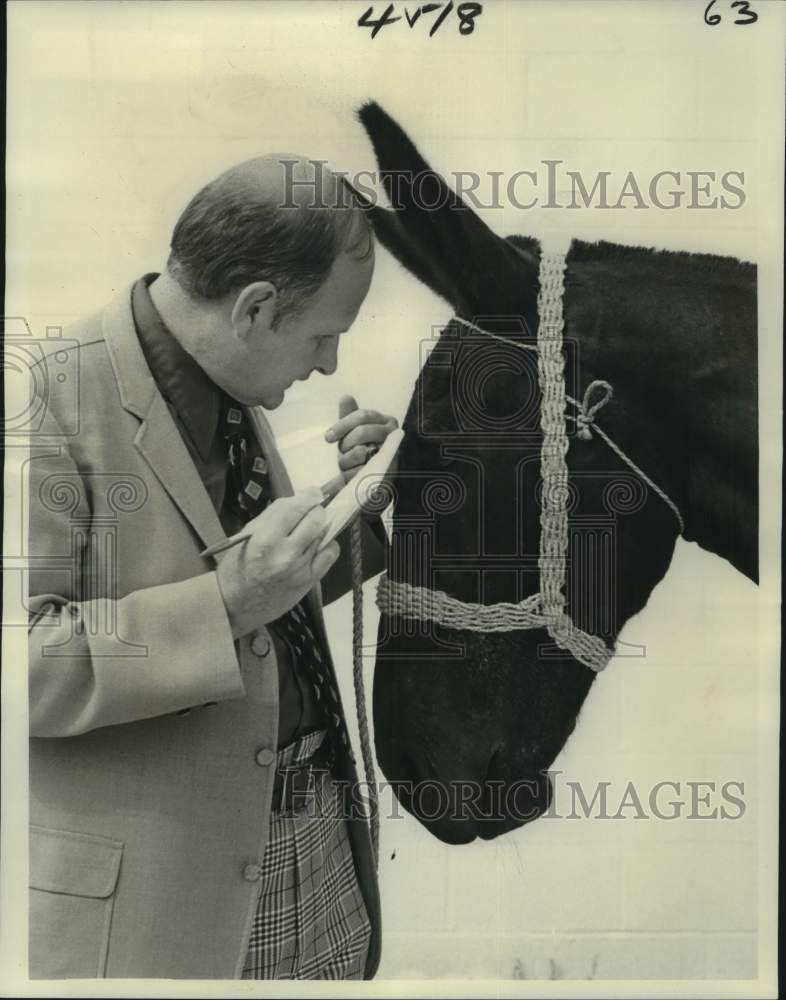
<point x="585" y="418"/>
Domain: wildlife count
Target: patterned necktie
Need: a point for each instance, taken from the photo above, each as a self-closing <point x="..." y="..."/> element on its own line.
<point x="248" y="484"/>
<point x="248" y="493"/>
<point x="296" y="626"/>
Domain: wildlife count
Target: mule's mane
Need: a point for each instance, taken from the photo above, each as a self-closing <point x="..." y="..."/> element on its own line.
<point x="647" y="256"/>
<point x="583" y="250"/>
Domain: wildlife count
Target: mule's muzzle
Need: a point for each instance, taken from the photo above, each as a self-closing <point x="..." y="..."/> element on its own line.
<point x="458" y="811"/>
<point x="511" y="804"/>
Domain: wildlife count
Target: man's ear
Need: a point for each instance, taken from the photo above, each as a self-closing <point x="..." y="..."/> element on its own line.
<point x="254" y="308"/>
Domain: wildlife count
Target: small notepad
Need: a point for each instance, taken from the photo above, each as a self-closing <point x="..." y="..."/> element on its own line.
<point x="348" y="501"/>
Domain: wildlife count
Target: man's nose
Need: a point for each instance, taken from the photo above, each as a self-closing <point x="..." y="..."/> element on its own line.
<point x="328" y="358"/>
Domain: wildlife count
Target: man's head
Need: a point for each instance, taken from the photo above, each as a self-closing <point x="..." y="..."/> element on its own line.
<point x="278" y="273"/>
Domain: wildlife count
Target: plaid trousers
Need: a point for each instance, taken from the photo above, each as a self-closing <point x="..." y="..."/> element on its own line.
<point x="311" y="920"/>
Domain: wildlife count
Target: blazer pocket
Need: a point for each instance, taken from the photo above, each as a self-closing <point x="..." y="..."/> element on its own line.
<point x="72" y="885"/>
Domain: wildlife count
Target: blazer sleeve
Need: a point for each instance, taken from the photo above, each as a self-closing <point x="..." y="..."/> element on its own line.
<point x="176" y="650"/>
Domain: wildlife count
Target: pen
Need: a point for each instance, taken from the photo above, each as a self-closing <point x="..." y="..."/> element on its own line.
<point x="329" y="490"/>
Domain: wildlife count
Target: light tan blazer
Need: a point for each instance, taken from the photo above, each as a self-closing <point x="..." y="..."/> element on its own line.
<point x="146" y="824"/>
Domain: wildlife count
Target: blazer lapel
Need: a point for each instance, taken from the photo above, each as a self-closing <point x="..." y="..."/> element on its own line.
<point x="158" y="439"/>
<point x="161" y="444"/>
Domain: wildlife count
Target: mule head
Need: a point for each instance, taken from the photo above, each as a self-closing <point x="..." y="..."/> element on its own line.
<point x="469" y="719"/>
<point x="466" y="722"/>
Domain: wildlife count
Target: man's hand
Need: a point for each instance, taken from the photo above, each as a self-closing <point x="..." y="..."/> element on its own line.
<point x="359" y="434"/>
<point x="263" y="578"/>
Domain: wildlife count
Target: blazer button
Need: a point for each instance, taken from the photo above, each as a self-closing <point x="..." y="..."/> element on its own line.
<point x="265" y="757"/>
<point x="252" y="873"/>
<point x="260" y="644"/>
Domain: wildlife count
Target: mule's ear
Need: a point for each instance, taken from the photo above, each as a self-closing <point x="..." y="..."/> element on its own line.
<point x="394" y="237"/>
<point x="432" y="224"/>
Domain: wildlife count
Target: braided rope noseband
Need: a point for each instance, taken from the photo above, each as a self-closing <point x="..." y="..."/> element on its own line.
<point x="545" y="609"/>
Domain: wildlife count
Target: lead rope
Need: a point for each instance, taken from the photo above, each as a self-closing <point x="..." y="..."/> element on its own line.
<point x="356" y="558"/>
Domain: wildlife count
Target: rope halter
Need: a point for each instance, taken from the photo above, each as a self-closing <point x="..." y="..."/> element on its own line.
<point x="546" y="608"/>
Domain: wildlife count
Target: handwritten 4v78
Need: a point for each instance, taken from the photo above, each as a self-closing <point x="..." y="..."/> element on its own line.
<point x="465" y="14"/>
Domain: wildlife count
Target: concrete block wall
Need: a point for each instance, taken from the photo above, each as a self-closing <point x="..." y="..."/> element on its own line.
<point x="594" y="898"/>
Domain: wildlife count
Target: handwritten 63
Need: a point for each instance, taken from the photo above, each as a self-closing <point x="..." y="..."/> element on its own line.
<point x="465" y="13"/>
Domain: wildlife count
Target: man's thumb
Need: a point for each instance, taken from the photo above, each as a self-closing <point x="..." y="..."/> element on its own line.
<point x="346" y="405"/>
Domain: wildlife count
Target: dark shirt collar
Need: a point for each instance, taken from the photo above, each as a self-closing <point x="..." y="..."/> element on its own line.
<point x="195" y="398"/>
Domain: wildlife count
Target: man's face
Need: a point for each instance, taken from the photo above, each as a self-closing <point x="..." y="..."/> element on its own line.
<point x="306" y="340"/>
